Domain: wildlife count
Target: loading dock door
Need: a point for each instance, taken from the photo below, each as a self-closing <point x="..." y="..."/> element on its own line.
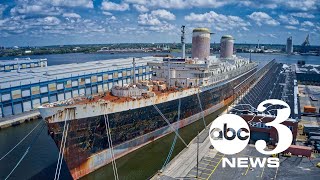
<point x="254" y="136"/>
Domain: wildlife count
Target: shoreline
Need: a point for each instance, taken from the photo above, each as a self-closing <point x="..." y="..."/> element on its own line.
<point x="16" y="120"/>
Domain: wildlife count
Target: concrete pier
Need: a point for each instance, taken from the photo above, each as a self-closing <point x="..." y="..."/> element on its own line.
<point x="18" y="119"/>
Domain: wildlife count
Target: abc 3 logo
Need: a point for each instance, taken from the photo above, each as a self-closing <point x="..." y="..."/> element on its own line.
<point x="230" y="133"/>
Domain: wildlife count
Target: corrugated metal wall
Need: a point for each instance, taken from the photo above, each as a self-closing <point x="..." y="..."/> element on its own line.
<point x="25" y="98"/>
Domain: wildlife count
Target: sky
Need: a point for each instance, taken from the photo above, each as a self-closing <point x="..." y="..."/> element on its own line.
<point x="62" y="22"/>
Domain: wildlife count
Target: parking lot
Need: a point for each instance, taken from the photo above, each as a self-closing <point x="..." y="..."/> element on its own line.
<point x="305" y="91"/>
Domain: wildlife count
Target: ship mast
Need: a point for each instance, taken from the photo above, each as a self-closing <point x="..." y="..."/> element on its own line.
<point x="182" y="41"/>
<point x="169" y="73"/>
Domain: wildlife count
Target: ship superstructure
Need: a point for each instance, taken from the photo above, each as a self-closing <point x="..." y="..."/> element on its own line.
<point x="195" y="72"/>
<point x="201" y="85"/>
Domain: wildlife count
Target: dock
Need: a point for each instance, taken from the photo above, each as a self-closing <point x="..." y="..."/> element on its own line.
<point x="18" y="119"/>
<point x="209" y="166"/>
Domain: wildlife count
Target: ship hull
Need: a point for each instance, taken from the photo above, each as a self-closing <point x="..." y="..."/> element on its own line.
<point x="87" y="148"/>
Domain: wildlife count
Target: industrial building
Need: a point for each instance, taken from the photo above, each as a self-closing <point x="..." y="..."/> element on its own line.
<point x="226" y="46"/>
<point x="289" y="46"/>
<point x="21" y="63"/>
<point x="259" y="129"/>
<point x="308" y="73"/>
<point x="27" y="89"/>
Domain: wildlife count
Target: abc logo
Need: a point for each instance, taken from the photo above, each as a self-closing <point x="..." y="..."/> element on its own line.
<point x="229" y="134"/>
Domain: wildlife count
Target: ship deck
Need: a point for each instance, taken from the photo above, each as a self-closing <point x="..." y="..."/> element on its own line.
<point x="107" y="96"/>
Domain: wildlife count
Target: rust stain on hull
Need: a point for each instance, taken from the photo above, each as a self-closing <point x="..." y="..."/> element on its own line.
<point x="87" y="148"/>
<point x="88" y="166"/>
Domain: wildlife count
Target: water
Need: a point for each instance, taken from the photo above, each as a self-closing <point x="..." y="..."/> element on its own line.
<point x="42" y="155"/>
<point x="55" y="59"/>
<point x="41" y="161"/>
<point x="282" y="58"/>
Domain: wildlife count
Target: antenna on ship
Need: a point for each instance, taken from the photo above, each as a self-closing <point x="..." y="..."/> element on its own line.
<point x="134" y="70"/>
<point x="182" y="41"/>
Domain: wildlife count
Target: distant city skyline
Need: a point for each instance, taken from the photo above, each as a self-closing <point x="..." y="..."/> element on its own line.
<point x="63" y="22"/>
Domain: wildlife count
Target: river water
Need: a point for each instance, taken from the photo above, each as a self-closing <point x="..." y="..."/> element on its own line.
<point x="40" y="162"/>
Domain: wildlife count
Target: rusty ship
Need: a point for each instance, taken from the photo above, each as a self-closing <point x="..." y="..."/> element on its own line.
<point x="202" y="83"/>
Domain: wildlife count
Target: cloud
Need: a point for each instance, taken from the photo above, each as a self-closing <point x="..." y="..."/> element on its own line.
<point x="303" y="29"/>
<point x="72" y="3"/>
<point x="35" y="9"/>
<point x="181" y="4"/>
<point x="77" y="18"/>
<point x="163" y="28"/>
<point x="155" y="17"/>
<point x="148" y="20"/>
<point x="259" y="5"/>
<point x="288" y="20"/>
<point x="304" y="5"/>
<point x="39" y="27"/>
<point x="245" y="29"/>
<point x="303" y="15"/>
<point x="263" y="18"/>
<point x="209" y="3"/>
<point x="47" y="7"/>
<point x="221" y="22"/>
<point x="176" y="4"/>
<point x="48" y="21"/>
<point x="163" y="14"/>
<point x="270" y="35"/>
<point x="290" y="27"/>
<point x="71" y="15"/>
<point x="140" y="8"/>
<point x="2" y="8"/>
<point x="307" y="23"/>
<point x="110" y="6"/>
<point x="36" y="6"/>
<point x="107" y="13"/>
<point x="156" y="21"/>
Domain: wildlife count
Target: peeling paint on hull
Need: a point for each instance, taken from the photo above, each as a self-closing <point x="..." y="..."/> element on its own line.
<point x="87" y="148"/>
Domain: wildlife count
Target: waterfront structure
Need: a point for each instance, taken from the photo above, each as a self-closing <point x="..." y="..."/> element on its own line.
<point x="132" y="116"/>
<point x="29" y="88"/>
<point x="306" y="42"/>
<point x="289" y="46"/>
<point x="226" y="46"/>
<point x="308" y="73"/>
<point x="200" y="43"/>
<point x="305" y="45"/>
<point x="21" y="63"/>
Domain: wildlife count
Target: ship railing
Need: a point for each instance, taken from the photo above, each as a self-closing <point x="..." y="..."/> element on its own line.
<point x="254" y="76"/>
<point x="230" y="74"/>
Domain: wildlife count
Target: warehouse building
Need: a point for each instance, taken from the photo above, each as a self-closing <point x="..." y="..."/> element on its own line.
<point x="21" y="63"/>
<point x="259" y="129"/>
<point x="27" y="89"/>
<point x="308" y="74"/>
